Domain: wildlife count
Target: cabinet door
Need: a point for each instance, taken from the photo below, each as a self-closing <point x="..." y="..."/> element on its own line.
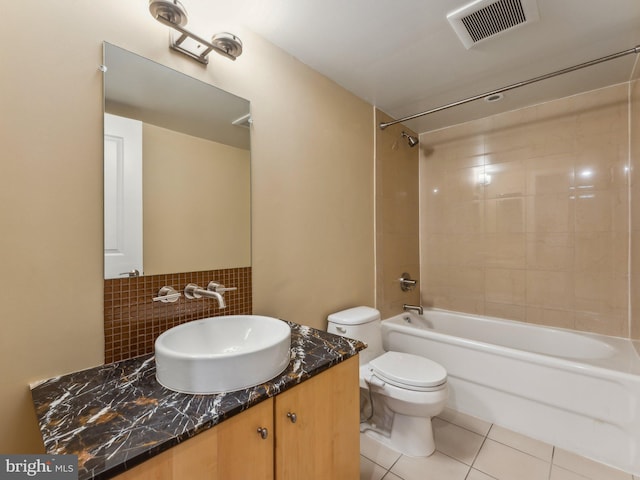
<point x="190" y="459"/>
<point x="324" y="440"/>
<point x="232" y="450"/>
<point x="244" y="452"/>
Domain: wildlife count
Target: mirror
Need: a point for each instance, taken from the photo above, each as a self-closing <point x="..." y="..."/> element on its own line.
<point x="177" y="171"/>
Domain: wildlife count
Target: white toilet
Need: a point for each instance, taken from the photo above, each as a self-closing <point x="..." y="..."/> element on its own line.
<point x="399" y="392"/>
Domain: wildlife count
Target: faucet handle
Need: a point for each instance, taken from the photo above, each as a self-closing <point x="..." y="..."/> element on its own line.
<point x="191" y="291"/>
<point x="407" y="284"/>
<point x="167" y="295"/>
<point x="217" y="287"/>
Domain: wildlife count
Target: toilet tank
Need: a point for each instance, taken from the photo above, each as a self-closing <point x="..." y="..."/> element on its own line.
<point x="359" y="323"/>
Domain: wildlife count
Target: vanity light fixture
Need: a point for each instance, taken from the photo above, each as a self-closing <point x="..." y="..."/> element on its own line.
<point x="173" y="14"/>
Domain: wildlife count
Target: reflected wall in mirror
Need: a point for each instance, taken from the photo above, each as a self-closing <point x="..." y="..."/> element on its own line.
<point x="189" y="207"/>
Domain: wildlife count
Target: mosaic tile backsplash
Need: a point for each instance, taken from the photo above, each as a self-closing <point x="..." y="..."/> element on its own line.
<point x="132" y="321"/>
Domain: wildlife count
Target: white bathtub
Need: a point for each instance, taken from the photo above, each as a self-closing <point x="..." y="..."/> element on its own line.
<point x="578" y="391"/>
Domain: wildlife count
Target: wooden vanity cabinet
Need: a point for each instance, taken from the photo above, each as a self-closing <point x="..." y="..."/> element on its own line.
<point x="317" y="427"/>
<point x="234" y="449"/>
<point x="322" y="443"/>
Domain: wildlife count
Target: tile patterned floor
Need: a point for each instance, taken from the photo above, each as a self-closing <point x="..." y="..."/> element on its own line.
<point x="470" y="449"/>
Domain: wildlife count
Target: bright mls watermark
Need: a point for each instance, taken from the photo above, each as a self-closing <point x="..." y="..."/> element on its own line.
<point x="51" y="467"/>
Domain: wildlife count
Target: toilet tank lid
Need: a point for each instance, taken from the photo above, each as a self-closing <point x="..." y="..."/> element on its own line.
<point x="355" y="316"/>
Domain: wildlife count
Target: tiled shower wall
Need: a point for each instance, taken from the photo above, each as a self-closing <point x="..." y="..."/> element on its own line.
<point x="132" y="321"/>
<point x="525" y="215"/>
<point x="397" y="217"/>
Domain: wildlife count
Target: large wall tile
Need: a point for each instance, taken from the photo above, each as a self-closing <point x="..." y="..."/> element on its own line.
<point x="533" y="206"/>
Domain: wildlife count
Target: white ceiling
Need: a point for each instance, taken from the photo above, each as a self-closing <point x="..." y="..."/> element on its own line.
<point x="403" y="56"/>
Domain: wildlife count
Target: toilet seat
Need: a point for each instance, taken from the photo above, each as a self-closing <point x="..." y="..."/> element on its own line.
<point x="409" y="371"/>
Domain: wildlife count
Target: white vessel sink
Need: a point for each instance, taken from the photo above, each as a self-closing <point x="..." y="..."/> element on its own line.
<point x="222" y="354"/>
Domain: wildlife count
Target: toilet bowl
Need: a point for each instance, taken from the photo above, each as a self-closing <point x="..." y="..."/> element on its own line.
<point x="400" y="392"/>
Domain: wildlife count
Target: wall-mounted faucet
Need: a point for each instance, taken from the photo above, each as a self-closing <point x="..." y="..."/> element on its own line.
<point x="192" y="291"/>
<point x="415" y="308"/>
<point x="218" y="287"/>
<point x="213" y="290"/>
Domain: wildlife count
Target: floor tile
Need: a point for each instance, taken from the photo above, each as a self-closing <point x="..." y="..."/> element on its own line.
<point x="559" y="473"/>
<point x="587" y="468"/>
<point x="506" y="463"/>
<point x="465" y="421"/>
<point x="369" y="470"/>
<point x="539" y="449"/>
<point x="391" y="476"/>
<point x="503" y="455"/>
<point x="478" y="475"/>
<point x="376" y="452"/>
<point x="456" y="441"/>
<point x="436" y="467"/>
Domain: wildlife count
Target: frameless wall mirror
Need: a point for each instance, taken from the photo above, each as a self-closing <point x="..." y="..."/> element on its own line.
<point x="176" y="170"/>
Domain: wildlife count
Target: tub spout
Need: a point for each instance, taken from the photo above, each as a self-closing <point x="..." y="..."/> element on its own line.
<point x="415" y="308"/>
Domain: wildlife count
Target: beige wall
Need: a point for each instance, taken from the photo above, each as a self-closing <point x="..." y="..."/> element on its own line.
<point x="397" y="217"/>
<point x="312" y="187"/>
<point x="545" y="240"/>
<point x="196" y="203"/>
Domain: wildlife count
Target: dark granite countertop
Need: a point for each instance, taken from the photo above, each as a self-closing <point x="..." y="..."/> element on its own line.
<point x="116" y="416"/>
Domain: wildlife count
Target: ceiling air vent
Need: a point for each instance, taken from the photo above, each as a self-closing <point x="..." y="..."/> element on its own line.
<point x="484" y="19"/>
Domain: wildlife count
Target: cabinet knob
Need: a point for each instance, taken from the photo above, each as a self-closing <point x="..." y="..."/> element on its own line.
<point x="293" y="417"/>
<point x="264" y="433"/>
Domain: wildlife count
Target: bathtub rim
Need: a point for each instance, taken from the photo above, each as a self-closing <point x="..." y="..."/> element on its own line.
<point x="600" y="367"/>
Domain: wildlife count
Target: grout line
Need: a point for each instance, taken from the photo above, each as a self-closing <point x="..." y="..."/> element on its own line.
<point x="468" y="471"/>
<point x="484" y="440"/>
<point x="376" y="463"/>
<point x="523" y="451"/>
<point x="394" y="463"/>
<point x="477" y="470"/>
<point x="387" y="470"/>
<point x="553" y="451"/>
<point x="490" y="428"/>
<point x="390" y="472"/>
<point x="466" y="428"/>
<point x="551" y="462"/>
<point x="454" y="458"/>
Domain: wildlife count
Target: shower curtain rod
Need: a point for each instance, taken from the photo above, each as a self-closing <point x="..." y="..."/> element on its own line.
<point x="613" y="56"/>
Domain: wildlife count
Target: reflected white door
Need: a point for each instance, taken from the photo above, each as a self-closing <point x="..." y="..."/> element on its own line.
<point x="122" y="196"/>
